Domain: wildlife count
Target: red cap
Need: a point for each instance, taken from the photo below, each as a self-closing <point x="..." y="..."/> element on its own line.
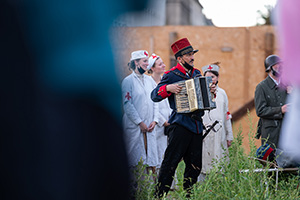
<point x="181" y="47"/>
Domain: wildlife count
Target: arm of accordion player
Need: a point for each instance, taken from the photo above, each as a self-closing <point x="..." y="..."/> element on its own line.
<point x="160" y="92"/>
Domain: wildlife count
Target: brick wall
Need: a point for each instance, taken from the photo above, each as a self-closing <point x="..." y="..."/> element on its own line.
<point x="240" y="50"/>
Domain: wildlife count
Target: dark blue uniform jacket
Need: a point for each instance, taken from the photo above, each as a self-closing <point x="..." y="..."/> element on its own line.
<point x="160" y="93"/>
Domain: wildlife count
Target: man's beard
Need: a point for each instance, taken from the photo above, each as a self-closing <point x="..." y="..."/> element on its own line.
<point x="187" y="65"/>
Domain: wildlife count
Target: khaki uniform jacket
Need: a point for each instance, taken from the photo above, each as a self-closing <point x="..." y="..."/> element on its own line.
<point x="269" y="98"/>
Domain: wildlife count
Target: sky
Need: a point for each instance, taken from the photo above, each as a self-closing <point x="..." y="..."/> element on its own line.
<point x="234" y="13"/>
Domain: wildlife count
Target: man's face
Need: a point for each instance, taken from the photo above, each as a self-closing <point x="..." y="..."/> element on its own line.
<point x="188" y="58"/>
<point x="277" y="67"/>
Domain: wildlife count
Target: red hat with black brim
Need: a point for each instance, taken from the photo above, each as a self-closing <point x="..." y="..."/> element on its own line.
<point x="181" y="47"/>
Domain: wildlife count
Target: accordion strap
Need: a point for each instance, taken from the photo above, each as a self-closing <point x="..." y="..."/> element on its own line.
<point x="178" y="74"/>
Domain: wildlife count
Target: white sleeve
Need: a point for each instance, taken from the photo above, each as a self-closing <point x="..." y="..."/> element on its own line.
<point x="228" y="129"/>
<point x="161" y="118"/>
<point x="156" y="106"/>
<point x="156" y="113"/>
<point x="129" y="108"/>
<point x="228" y="126"/>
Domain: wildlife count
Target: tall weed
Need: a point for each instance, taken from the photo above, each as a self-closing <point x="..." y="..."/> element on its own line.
<point x="226" y="181"/>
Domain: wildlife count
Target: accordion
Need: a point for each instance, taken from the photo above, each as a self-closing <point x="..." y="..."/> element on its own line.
<point x="195" y="95"/>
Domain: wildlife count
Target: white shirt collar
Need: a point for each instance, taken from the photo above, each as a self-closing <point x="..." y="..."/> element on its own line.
<point x="277" y="83"/>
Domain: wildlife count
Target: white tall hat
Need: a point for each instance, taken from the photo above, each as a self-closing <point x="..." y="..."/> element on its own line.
<point x="139" y="54"/>
<point x="152" y="60"/>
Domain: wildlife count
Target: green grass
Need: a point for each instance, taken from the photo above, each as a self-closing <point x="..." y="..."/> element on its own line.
<point x="225" y="180"/>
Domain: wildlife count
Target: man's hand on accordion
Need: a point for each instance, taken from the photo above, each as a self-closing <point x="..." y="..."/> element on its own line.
<point x="174" y="88"/>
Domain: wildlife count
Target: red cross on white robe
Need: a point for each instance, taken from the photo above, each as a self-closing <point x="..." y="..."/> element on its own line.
<point x="128" y="96"/>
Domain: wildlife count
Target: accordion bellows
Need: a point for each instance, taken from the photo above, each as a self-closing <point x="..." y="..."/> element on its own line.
<point x="195" y="95"/>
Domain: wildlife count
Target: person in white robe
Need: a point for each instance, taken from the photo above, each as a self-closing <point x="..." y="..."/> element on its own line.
<point x="140" y="113"/>
<point x="156" y="68"/>
<point x="216" y="143"/>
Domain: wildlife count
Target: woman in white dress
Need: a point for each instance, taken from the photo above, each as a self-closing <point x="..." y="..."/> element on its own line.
<point x="140" y="113"/>
<point x="156" y="69"/>
<point x="216" y="143"/>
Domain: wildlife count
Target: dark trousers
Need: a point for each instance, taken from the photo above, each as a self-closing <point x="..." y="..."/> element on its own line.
<point x="186" y="145"/>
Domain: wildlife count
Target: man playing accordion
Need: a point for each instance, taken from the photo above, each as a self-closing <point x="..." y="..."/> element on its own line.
<point x="185" y="131"/>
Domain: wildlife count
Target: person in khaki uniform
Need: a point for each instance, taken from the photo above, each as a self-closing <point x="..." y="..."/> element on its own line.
<point x="270" y="103"/>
